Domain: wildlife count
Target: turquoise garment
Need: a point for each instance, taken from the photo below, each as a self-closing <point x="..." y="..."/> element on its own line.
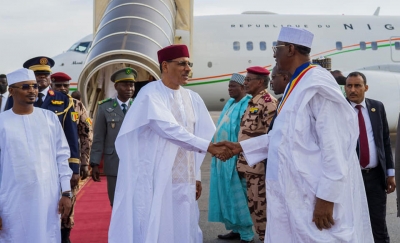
<point x="228" y="200"/>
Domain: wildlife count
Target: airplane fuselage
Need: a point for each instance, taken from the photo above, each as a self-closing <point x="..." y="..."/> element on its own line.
<point x="226" y="44"/>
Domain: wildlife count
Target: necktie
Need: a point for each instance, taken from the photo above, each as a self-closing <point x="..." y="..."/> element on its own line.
<point x="1" y="101"/>
<point x="124" y="108"/>
<point x="39" y="102"/>
<point x="364" y="149"/>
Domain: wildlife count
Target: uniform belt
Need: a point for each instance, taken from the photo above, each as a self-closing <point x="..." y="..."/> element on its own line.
<point x="368" y="170"/>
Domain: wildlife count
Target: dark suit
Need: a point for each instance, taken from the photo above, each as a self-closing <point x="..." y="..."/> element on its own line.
<point x="108" y="121"/>
<point x="375" y="178"/>
<point x="397" y="164"/>
<point x="63" y="107"/>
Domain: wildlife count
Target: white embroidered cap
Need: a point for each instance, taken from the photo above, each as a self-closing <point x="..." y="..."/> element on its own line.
<point x="238" y="78"/>
<point x="296" y="36"/>
<point x="20" y="75"/>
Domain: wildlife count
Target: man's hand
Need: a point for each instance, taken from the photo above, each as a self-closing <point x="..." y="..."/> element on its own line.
<point x="199" y="188"/>
<point x="236" y="148"/>
<point x="64" y="208"/>
<point x="391" y="184"/>
<point x="84" y="172"/>
<point x="95" y="173"/>
<point x="74" y="181"/>
<point x="221" y="152"/>
<point x="323" y="213"/>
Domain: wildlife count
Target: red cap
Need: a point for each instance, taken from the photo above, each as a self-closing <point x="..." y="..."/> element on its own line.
<point x="171" y="52"/>
<point x="60" y="77"/>
<point x="258" y="70"/>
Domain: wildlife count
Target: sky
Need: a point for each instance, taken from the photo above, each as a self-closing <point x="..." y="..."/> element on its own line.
<point x="43" y="27"/>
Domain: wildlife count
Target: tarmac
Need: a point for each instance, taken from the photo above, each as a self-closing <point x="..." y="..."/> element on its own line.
<point x="211" y="230"/>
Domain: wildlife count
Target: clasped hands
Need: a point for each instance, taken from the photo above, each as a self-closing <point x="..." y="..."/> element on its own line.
<point x="224" y="150"/>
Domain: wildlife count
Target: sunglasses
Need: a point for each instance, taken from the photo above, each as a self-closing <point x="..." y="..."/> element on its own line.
<point x="61" y="85"/>
<point x="275" y="48"/>
<point x="25" y="86"/>
<point x="182" y="63"/>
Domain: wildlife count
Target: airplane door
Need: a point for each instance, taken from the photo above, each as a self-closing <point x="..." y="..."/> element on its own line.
<point x="395" y="48"/>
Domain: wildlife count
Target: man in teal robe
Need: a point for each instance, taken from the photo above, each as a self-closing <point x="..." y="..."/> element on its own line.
<point x="228" y="200"/>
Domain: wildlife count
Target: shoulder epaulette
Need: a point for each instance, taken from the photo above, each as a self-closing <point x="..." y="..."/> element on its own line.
<point x="104" y="101"/>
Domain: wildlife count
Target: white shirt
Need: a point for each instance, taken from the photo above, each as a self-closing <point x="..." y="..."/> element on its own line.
<point x="44" y="92"/>
<point x="373" y="157"/>
<point x="126" y="103"/>
<point x="4" y="98"/>
<point x="32" y="176"/>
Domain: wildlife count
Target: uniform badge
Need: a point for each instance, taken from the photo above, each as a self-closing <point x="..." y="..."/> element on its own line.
<point x="267" y="98"/>
<point x="89" y="121"/>
<point x="74" y="116"/>
<point x="57" y="102"/>
<point x="109" y="109"/>
<point x="51" y="92"/>
<point x="128" y="71"/>
<point x="373" y="109"/>
<point x="43" y="61"/>
<point x="113" y="124"/>
<point x="253" y="110"/>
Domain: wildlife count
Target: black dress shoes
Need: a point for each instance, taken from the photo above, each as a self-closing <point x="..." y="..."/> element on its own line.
<point x="230" y="236"/>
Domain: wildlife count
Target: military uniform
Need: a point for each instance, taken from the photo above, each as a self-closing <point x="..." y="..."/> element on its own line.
<point x="85" y="131"/>
<point x="107" y="124"/>
<point x="255" y="122"/>
<point x="108" y="121"/>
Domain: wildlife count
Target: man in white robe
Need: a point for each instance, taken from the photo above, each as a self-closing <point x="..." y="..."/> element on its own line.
<point x="161" y="145"/>
<point x="314" y="186"/>
<point x="34" y="167"/>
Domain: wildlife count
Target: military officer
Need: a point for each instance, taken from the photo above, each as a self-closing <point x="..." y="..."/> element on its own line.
<point x="110" y="114"/>
<point x="62" y="106"/>
<point x="60" y="82"/>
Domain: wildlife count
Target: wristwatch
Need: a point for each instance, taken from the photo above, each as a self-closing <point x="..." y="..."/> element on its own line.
<point x="67" y="194"/>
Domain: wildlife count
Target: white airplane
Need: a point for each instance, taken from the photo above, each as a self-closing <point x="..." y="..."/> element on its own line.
<point x="225" y="44"/>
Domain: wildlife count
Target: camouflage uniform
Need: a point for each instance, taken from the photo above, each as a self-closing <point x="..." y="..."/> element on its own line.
<point x="255" y="122"/>
<point x="85" y="134"/>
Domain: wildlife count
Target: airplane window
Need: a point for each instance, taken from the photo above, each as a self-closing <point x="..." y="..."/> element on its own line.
<point x="81" y="47"/>
<point x="274" y="43"/>
<point x="363" y="46"/>
<point x="339" y="45"/>
<point x="374" y="45"/>
<point x="397" y="45"/>
<point x="263" y="45"/>
<point x="249" y="45"/>
<point x="236" y="45"/>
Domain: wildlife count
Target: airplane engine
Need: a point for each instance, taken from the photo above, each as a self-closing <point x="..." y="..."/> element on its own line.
<point x="129" y="35"/>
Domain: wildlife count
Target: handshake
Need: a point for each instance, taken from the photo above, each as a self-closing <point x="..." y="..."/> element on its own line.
<point x="224" y="150"/>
